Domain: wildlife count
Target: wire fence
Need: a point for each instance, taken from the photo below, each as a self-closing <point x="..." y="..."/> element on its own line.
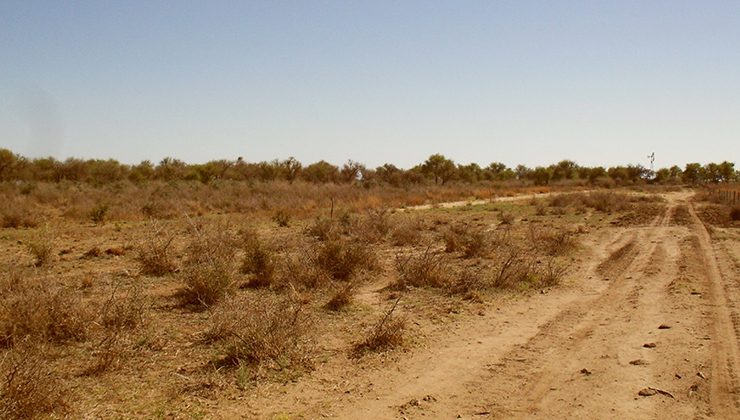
<point x="729" y="194"/>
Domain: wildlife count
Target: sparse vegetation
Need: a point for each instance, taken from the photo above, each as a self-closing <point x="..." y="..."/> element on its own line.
<point x="155" y="253"/>
<point x="301" y="287"/>
<point x="208" y="270"/>
<point x="386" y="334"/>
<point x="29" y="388"/>
<point x="262" y="331"/>
<point x="41" y="247"/>
<point x="32" y="307"/>
<point x="258" y="262"/>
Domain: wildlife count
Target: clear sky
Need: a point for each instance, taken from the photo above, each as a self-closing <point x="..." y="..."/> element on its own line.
<point x="533" y="82"/>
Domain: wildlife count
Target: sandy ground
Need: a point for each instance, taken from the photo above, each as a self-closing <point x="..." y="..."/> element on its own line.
<point x="650" y="310"/>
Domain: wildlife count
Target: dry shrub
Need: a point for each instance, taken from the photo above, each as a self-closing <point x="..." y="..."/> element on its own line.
<point x="735" y="213"/>
<point x="540" y="209"/>
<point x="282" y="218"/>
<point x="31" y="307"/>
<point x="386" y="334"/>
<point x="121" y="315"/>
<point x="506" y="217"/>
<point x="375" y="226"/>
<point x="342" y="297"/>
<point x="603" y="201"/>
<point x="98" y="213"/>
<point x="123" y="310"/>
<point x="29" y="388"/>
<point x="208" y="270"/>
<point x="551" y="273"/>
<point x="16" y="216"/>
<point x="553" y="242"/>
<point x="472" y="241"/>
<point x="301" y="270"/>
<point x="514" y="266"/>
<point x="424" y="269"/>
<point x="407" y="232"/>
<point x="155" y="253"/>
<point x="467" y="283"/>
<point x="258" y="262"/>
<point x="41" y="247"/>
<point x="93" y="252"/>
<point x="323" y="229"/>
<point x="517" y="267"/>
<point x="261" y="331"/>
<point x="344" y="258"/>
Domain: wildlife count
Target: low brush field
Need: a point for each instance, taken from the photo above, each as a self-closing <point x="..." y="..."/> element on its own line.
<point x="220" y="302"/>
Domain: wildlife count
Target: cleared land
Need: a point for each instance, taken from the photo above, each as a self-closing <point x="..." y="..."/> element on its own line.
<point x="587" y="305"/>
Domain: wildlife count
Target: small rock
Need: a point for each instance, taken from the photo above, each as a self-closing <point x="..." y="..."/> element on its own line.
<point x="638" y="362"/>
<point x="585" y="371"/>
<point x="664" y="327"/>
<point x="701" y="375"/>
<point x="647" y="392"/>
<point x="650" y="345"/>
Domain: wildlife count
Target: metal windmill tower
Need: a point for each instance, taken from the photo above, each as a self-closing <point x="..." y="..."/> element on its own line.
<point x="652" y="161"/>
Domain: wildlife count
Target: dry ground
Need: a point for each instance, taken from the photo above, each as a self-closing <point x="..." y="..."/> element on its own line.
<point x="648" y="305"/>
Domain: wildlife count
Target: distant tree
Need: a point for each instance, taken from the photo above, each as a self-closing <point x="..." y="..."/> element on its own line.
<point x="726" y="171"/>
<point x="470" y="173"/>
<point x="693" y="173"/>
<point x="541" y="175"/>
<point x="292" y="169"/>
<point x="170" y="169"/>
<point x="497" y="171"/>
<point x="144" y="171"/>
<point x="522" y="172"/>
<point x="390" y="174"/>
<point x="595" y="173"/>
<point x="439" y="167"/>
<point x="565" y="169"/>
<point x="9" y="163"/>
<point x="351" y="171"/>
<point x="320" y="171"/>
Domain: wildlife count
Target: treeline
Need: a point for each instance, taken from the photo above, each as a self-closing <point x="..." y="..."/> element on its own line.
<point x="436" y="169"/>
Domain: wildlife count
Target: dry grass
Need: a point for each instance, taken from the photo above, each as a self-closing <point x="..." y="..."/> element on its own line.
<point x="420" y="269"/>
<point x="323" y="229"/>
<point x="261" y="331"/>
<point x="471" y="241"/>
<point x="344" y="258"/>
<point x="552" y="241"/>
<point x="16" y="216"/>
<point x="155" y="253"/>
<point x="208" y="271"/>
<point x="342" y="297"/>
<point x="258" y="262"/>
<point x="41" y="246"/>
<point x="386" y="334"/>
<point x="34" y="307"/>
<point x="407" y="232"/>
<point x="121" y="315"/>
<point x="29" y="388"/>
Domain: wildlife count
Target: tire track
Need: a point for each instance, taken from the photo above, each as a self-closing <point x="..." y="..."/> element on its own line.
<point x="724" y="294"/>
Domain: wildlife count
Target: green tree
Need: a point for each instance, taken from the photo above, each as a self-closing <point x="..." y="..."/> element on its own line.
<point x="439" y="167"/>
<point x="693" y="173"/>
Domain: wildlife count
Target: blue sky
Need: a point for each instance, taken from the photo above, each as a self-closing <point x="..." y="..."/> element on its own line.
<point x="533" y="82"/>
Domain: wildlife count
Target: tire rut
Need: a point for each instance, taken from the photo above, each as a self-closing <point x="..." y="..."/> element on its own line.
<point x="725" y="296"/>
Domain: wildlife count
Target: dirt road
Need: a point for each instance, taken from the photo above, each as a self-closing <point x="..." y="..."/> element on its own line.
<point x="651" y="310"/>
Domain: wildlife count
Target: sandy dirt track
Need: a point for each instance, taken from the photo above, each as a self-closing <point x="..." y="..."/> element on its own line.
<point x="650" y="309"/>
